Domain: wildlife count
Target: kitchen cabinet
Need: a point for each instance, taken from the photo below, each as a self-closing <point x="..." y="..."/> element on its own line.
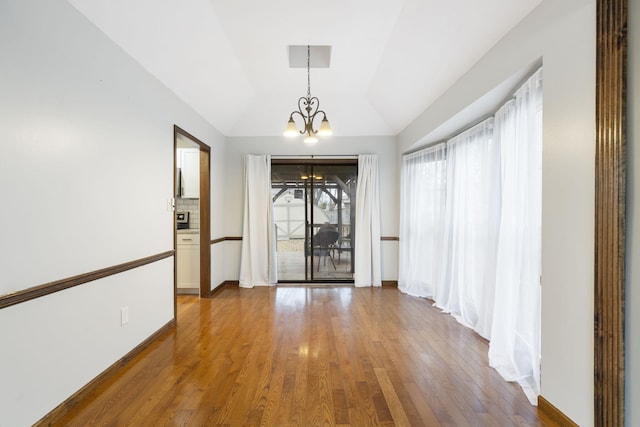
<point x="188" y="162"/>
<point x="188" y="263"/>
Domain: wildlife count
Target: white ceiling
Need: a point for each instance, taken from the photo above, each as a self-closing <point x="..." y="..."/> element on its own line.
<point x="228" y="59"/>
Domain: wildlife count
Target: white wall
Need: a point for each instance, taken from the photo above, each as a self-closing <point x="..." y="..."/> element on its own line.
<point x="54" y="345"/>
<point x="563" y="35"/>
<point x="632" y="343"/>
<point x="86" y="163"/>
<point x="383" y="146"/>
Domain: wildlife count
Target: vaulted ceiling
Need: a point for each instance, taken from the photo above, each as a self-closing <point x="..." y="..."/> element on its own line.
<point x="228" y="59"/>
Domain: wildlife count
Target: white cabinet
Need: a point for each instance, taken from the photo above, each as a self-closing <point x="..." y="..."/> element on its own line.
<point x="188" y="262"/>
<point x="188" y="161"/>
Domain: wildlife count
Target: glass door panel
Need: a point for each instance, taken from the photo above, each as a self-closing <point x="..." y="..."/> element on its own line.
<point x="290" y="209"/>
<point x="333" y="198"/>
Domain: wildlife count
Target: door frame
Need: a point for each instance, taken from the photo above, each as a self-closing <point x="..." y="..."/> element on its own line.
<point x="205" y="216"/>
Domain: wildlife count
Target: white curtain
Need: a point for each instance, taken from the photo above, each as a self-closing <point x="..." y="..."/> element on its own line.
<point x="467" y="271"/>
<point x="258" y="265"/>
<point x="422" y="201"/>
<point x="368" y="270"/>
<point x="486" y="265"/>
<point x="515" y="337"/>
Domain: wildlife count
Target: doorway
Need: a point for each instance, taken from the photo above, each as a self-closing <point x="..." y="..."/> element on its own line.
<point x="192" y="216"/>
<point x="314" y="212"/>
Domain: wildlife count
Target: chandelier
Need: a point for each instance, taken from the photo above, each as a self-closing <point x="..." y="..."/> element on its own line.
<point x="311" y="111"/>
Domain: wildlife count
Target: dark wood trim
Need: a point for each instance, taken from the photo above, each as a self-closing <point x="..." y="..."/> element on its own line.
<point x="231" y="283"/>
<point x="177" y="129"/>
<point x="214" y="241"/>
<point x="308" y="161"/>
<point x="205" y="222"/>
<point x="175" y="222"/>
<point x="382" y="238"/>
<point x="221" y="286"/>
<point x="84" y="393"/>
<point x="70" y="282"/>
<point x="554" y="413"/>
<point x="216" y="290"/>
<point x="233" y="238"/>
<point x="610" y="220"/>
<point x="390" y="283"/>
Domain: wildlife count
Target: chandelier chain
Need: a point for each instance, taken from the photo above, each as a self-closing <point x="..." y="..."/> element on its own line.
<point x="308" y="71"/>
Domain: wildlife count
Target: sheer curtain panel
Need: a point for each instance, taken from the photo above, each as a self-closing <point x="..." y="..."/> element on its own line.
<point x="422" y="201"/>
<point x="258" y="266"/>
<point x="471" y="218"/>
<point x="368" y="270"/>
<point x="514" y="350"/>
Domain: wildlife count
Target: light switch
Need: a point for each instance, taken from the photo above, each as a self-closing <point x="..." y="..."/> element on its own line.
<point x="124" y="315"/>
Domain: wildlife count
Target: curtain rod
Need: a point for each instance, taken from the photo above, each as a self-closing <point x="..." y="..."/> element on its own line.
<point x="312" y="156"/>
<point x="454" y="134"/>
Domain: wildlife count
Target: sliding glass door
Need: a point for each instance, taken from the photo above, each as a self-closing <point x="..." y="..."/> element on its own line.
<point x="314" y="209"/>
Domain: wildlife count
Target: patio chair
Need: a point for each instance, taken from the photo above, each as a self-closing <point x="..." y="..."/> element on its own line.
<point x="324" y="243"/>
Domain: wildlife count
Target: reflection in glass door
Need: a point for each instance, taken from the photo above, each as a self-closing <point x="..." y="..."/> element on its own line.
<point x="314" y="209"/>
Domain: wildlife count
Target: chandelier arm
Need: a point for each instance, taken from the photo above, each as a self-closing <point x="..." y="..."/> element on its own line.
<point x="304" y="120"/>
<point x="313" y="117"/>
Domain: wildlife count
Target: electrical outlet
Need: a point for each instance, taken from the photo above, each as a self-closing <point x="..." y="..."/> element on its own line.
<point x="124" y="315"/>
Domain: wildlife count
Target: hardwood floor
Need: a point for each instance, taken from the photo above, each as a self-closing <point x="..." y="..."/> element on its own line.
<point x="304" y="356"/>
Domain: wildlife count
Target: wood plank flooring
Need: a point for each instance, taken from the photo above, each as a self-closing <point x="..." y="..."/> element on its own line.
<point x="309" y="356"/>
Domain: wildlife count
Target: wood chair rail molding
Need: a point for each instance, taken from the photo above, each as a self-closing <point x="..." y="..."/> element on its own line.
<point x="611" y="70"/>
<point x="231" y="238"/>
<point x="59" y="285"/>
